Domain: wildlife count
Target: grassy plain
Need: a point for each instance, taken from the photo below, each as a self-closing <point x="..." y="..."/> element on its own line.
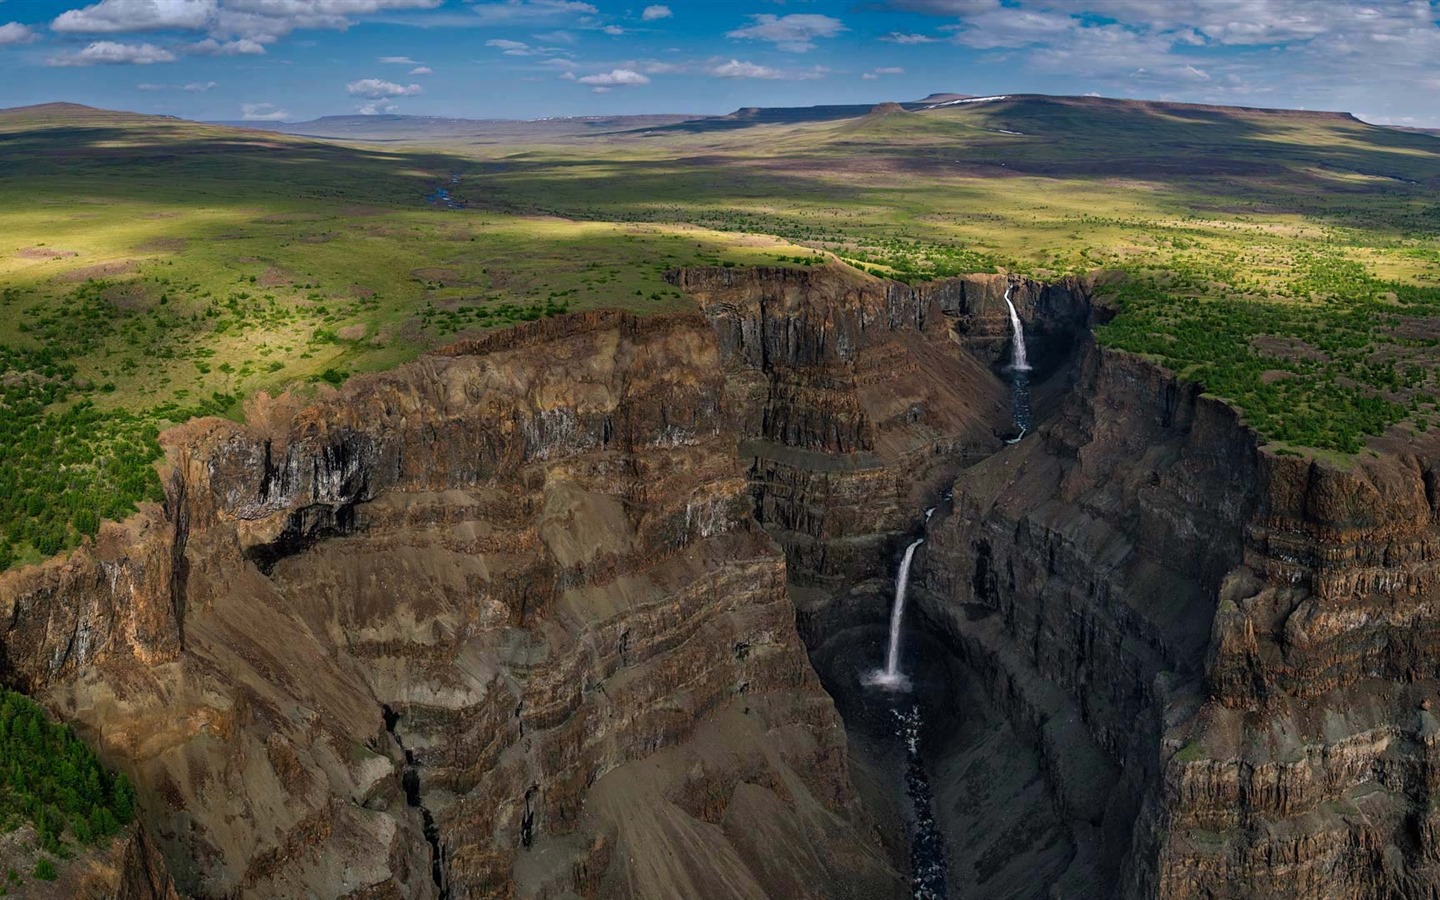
<point x="152" y="269"/>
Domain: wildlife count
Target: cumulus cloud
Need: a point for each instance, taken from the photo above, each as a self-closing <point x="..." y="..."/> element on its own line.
<point x="121" y="16"/>
<point x="263" y="112"/>
<point x="102" y="53"/>
<point x="238" y="24"/>
<point x="738" y="69"/>
<point x="658" y="11"/>
<point x="398" y="61"/>
<point x="613" y="30"/>
<point x="876" y="74"/>
<point x="376" y="108"/>
<point x="237" y="47"/>
<point x="377" y="88"/>
<point x="626" y="77"/>
<point x="796" y="32"/>
<point x="422" y="70"/>
<point x="898" y="37"/>
<point x="15" y="33"/>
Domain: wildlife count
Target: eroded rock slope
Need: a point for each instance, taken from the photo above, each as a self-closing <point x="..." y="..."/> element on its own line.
<point x="495" y="624"/>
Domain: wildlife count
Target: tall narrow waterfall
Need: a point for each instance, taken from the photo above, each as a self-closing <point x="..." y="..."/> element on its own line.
<point x="890" y="677"/>
<point x="1017" y="332"/>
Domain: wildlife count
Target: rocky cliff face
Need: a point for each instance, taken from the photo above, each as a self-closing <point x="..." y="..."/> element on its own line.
<point x="496" y="624"/>
<point x="859" y="399"/>
<point x="1221" y="654"/>
<point x="512" y="620"/>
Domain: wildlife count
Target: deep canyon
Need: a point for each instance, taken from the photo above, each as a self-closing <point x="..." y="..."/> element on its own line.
<point x="581" y="609"/>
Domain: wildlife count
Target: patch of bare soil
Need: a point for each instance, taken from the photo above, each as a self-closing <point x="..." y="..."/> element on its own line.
<point x="1417" y="328"/>
<point x="163" y="245"/>
<point x="99" y="270"/>
<point x="45" y="253"/>
<point x="1287" y="348"/>
<point x="275" y="277"/>
<point x="130" y="296"/>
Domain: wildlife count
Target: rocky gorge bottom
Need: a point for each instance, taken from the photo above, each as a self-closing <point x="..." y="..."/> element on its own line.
<point x="583" y="609"/>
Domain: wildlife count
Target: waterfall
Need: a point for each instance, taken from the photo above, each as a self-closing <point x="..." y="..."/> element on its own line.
<point x="1017" y="331"/>
<point x="890" y="677"/>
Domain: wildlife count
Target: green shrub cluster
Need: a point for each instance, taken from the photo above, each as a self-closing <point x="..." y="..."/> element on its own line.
<point x="66" y="465"/>
<point x="1341" y="371"/>
<point x="51" y="780"/>
<point x="450" y="321"/>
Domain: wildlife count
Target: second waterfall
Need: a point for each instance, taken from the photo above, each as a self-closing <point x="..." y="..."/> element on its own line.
<point x="890" y="677"/>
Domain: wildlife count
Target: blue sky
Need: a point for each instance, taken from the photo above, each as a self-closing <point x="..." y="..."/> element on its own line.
<point x="297" y="59"/>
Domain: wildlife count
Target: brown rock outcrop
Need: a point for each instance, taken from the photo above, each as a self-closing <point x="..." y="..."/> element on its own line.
<point x="494" y="624"/>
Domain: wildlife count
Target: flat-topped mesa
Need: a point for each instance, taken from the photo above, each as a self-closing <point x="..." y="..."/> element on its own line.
<point x="442" y="617"/>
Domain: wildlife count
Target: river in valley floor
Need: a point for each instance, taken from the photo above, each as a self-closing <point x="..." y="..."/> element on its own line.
<point x="892" y="735"/>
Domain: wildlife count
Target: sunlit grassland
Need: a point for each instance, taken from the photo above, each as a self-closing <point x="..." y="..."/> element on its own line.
<point x="152" y="270"/>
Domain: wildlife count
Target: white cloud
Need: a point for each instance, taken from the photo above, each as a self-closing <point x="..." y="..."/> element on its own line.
<point x="897" y="37"/>
<point x="237" y="47"/>
<point x="796" y="32"/>
<point x="737" y="69"/>
<point x="889" y="70"/>
<point x="199" y="87"/>
<point x="512" y="48"/>
<point x="601" y="90"/>
<point x="613" y="30"/>
<point x="627" y="77"/>
<point x="262" y="112"/>
<point x="15" y="33"/>
<point x="120" y="16"/>
<point x="376" y="88"/>
<point x="147" y="86"/>
<point x="944" y="7"/>
<point x="1013" y="27"/>
<point x="658" y="11"/>
<point x="252" y="21"/>
<point x="111" y="53"/>
<point x="398" y="61"/>
<point x="376" y="108"/>
<point x="422" y="70"/>
<point x="519" y="11"/>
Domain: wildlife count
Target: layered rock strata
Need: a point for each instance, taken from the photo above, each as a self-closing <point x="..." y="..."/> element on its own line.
<point x="859" y="399"/>
<point x="1222" y="652"/>
<point x="494" y="624"/>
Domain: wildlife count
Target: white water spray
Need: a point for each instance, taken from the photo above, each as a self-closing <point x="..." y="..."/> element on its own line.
<point x="890" y="677"/>
<point x="1017" y="330"/>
